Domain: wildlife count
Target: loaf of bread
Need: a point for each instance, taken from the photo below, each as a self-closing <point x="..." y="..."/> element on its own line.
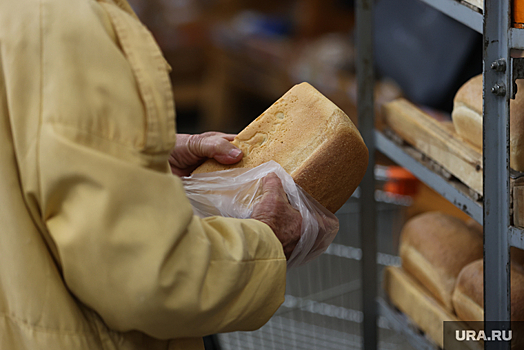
<point x="434" y="247"/>
<point x="467" y="118"/>
<point x="468" y="296"/>
<point x="312" y="139"/>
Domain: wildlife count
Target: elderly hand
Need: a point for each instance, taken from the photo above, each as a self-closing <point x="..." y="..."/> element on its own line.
<point x="274" y="210"/>
<point x="192" y="150"/>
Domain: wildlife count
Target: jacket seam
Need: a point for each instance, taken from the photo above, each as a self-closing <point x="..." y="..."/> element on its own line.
<point x="38" y="138"/>
<point x="143" y="87"/>
<point x="160" y="129"/>
<point x="20" y="321"/>
<point x="41" y="102"/>
<point x="251" y="261"/>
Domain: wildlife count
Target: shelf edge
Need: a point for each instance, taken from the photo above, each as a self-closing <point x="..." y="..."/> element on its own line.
<point x="429" y="177"/>
<point x="459" y="12"/>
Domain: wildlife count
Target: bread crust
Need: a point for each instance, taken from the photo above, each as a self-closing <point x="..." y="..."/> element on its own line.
<point x="312" y="139"/>
<point x="466" y="308"/>
<point x="467" y="118"/>
<point x="468" y="296"/>
<point x="466" y="122"/>
<point x="435" y="247"/>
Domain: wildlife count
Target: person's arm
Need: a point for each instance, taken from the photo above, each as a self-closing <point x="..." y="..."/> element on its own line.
<point x="131" y="249"/>
<point x="127" y="242"/>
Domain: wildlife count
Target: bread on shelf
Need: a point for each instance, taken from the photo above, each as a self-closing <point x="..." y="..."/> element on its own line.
<point x="312" y="139"/>
<point x="468" y="298"/>
<point x="434" y="247"/>
<point x="467" y="118"/>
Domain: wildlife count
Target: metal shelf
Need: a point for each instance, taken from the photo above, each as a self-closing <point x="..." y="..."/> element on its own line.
<point x="471" y="16"/>
<point x="516" y="237"/>
<point x="466" y="14"/>
<point x="516" y="38"/>
<point x="402" y="324"/>
<point x="454" y="191"/>
<point x="498" y="38"/>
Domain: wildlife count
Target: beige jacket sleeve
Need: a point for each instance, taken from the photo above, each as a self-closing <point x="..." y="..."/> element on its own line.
<point x="119" y="223"/>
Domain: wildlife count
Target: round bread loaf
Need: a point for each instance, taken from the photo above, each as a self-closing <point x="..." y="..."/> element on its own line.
<point x="312" y="139"/>
<point x="434" y="248"/>
<point x="467" y="118"/>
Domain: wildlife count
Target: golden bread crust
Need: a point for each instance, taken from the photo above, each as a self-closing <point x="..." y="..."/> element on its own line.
<point x="443" y="245"/>
<point x="312" y="139"/>
<point x="470" y="285"/>
<point x="467" y="118"/>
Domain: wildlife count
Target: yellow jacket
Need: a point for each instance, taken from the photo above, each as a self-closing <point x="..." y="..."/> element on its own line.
<point x="99" y="248"/>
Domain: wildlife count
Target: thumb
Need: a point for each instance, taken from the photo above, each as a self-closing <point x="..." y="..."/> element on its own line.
<point x="215" y="145"/>
<point x="227" y="153"/>
<point x="271" y="183"/>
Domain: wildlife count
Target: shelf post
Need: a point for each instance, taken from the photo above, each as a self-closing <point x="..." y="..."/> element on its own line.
<point x="496" y="92"/>
<point x="368" y="236"/>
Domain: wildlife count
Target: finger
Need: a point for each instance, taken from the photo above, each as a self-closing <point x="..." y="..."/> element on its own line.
<point x="229" y="137"/>
<point x="208" y="145"/>
<point x="271" y="181"/>
<point x="272" y="184"/>
<point x="221" y="150"/>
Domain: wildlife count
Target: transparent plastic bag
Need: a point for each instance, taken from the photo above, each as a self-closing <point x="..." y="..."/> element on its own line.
<point x="234" y="193"/>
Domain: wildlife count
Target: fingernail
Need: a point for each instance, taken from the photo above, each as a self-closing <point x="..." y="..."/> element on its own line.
<point x="235" y="152"/>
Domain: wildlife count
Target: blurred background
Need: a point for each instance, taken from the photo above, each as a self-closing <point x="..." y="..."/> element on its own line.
<point x="231" y="59"/>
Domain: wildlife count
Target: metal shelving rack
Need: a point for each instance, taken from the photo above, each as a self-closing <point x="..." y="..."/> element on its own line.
<point x="493" y="210"/>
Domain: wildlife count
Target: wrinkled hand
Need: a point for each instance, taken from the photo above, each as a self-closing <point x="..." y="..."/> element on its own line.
<point x="192" y="150"/>
<point x="274" y="210"/>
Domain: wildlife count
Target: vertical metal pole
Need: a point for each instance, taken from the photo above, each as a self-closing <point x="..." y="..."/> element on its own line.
<point x="368" y="236"/>
<point x="496" y="168"/>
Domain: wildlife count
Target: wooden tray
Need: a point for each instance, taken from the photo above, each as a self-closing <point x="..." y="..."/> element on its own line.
<point x="418" y="304"/>
<point x="439" y="142"/>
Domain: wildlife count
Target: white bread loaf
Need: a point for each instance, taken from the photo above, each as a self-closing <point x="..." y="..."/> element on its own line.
<point x="434" y="247"/>
<point x="467" y="118"/>
<point x="468" y="297"/>
<point x="312" y="139"/>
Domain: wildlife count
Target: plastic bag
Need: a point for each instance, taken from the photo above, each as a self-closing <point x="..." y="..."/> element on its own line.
<point x="233" y="193"/>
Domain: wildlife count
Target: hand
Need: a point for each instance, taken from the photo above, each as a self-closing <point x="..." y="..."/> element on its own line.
<point x="192" y="150"/>
<point x="274" y="210"/>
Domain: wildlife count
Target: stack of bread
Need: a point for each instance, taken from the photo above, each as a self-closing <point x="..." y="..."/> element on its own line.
<point x="445" y="255"/>
<point x="467" y="118"/>
<point x="312" y="139"/>
<point x="434" y="248"/>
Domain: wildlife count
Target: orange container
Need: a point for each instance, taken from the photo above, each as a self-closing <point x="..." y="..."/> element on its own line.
<point x="517" y="13"/>
<point x="401" y="181"/>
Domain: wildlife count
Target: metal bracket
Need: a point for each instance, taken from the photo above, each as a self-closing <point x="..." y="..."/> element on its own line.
<point x="499" y="65"/>
<point x="517" y="72"/>
<point x="499" y="89"/>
